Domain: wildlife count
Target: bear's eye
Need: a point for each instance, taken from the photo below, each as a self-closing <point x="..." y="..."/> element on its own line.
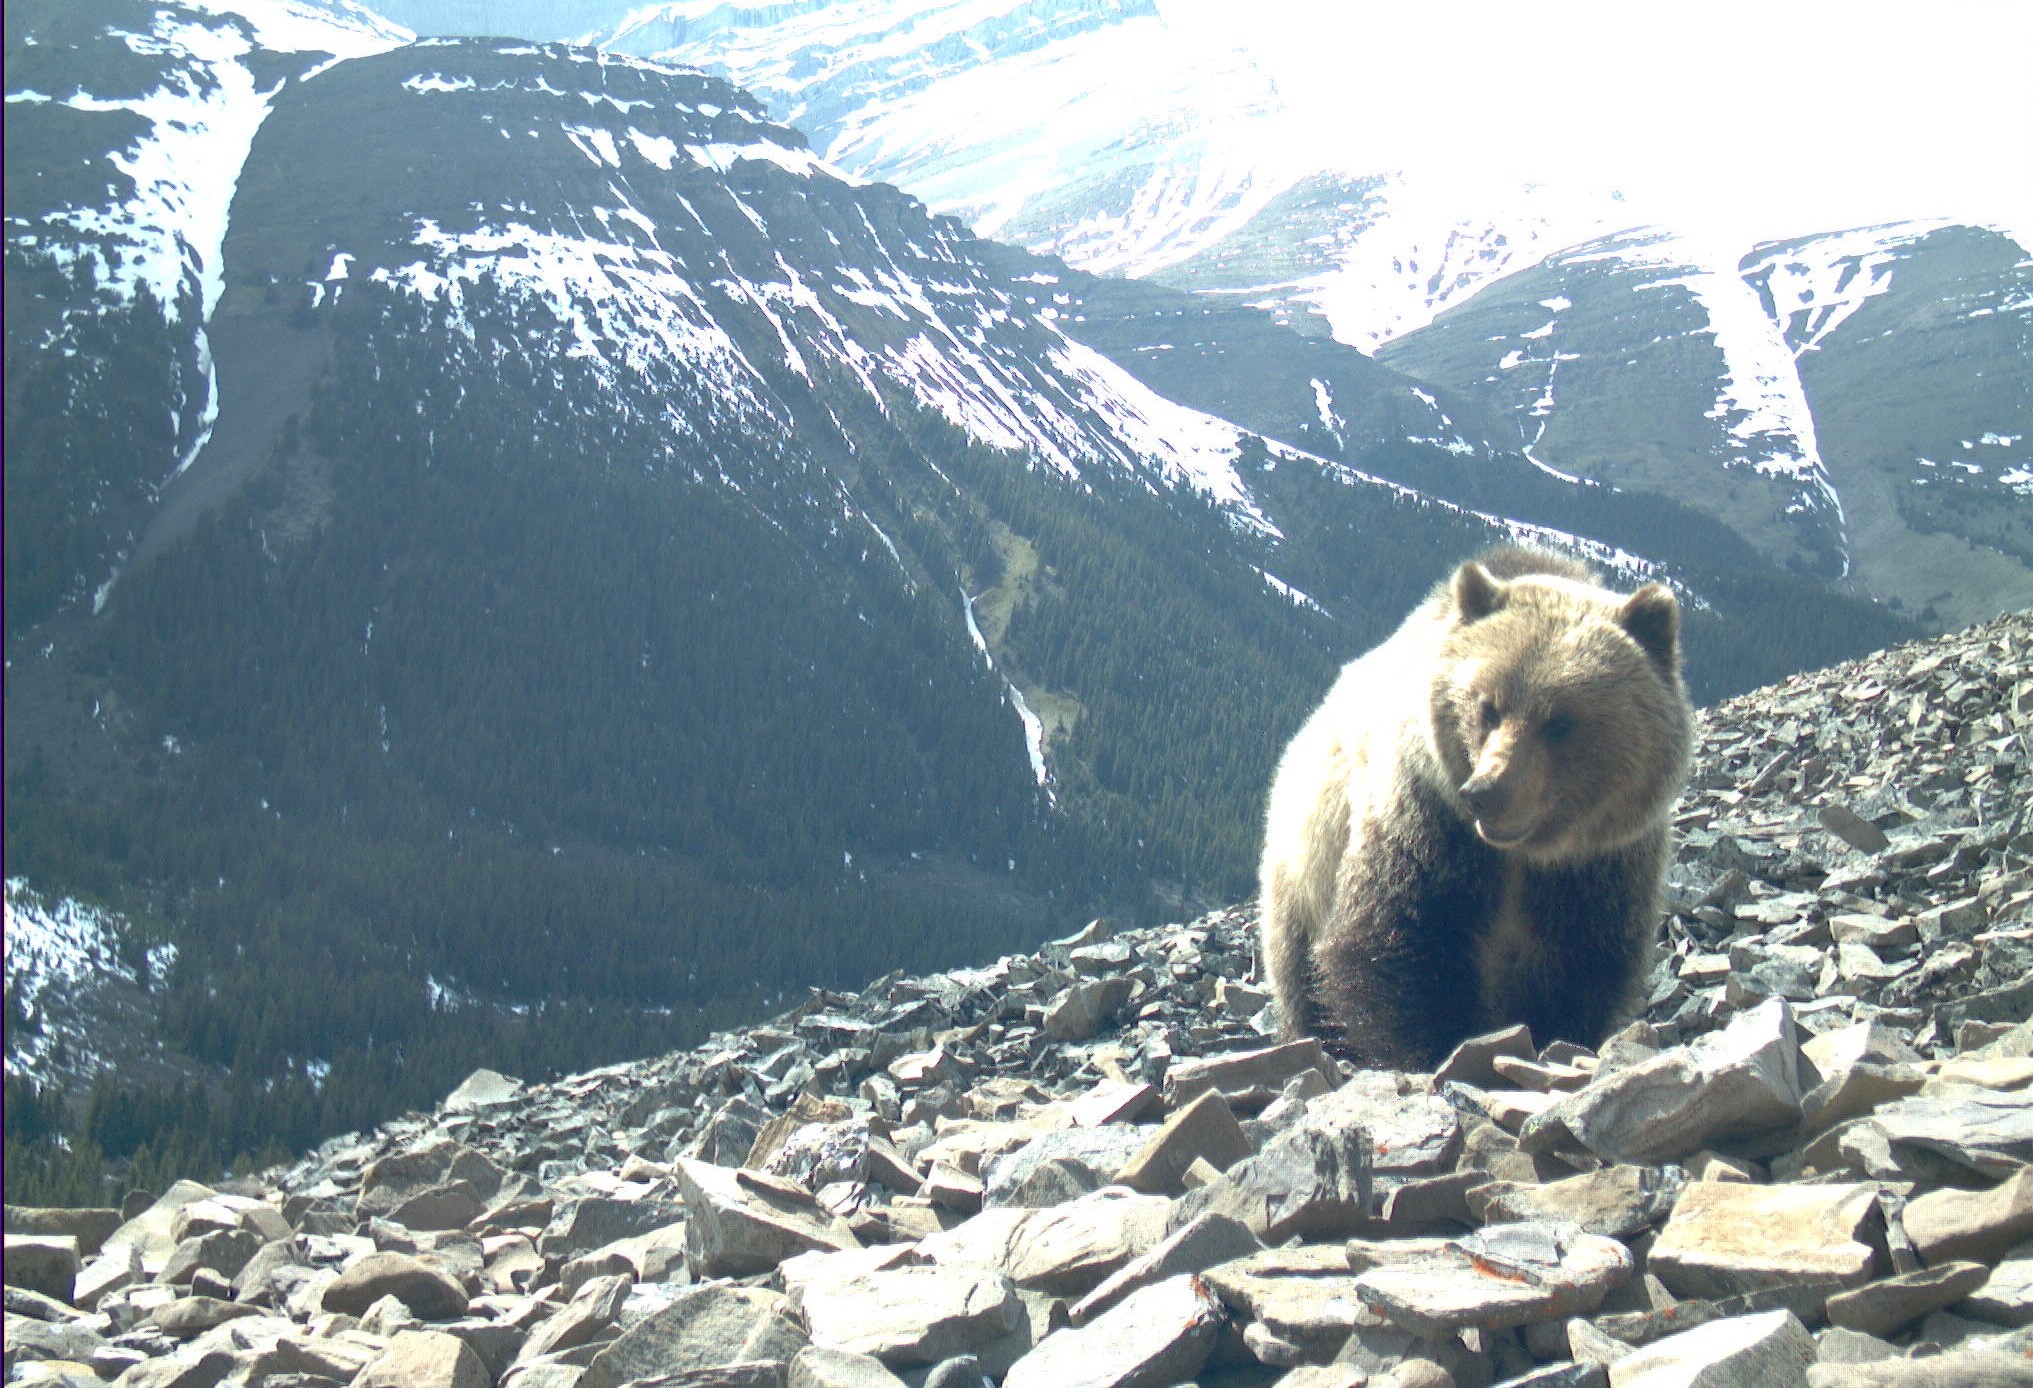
<point x="1490" y="716"/>
<point x="1558" y="728"/>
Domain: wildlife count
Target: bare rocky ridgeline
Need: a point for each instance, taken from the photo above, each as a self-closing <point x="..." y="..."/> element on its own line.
<point x="1092" y="1167"/>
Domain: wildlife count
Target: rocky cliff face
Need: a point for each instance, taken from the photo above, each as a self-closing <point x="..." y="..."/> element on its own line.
<point x="1805" y="1163"/>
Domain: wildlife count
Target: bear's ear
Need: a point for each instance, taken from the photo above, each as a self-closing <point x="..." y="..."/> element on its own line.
<point x="1476" y="592"/>
<point x="1652" y="618"/>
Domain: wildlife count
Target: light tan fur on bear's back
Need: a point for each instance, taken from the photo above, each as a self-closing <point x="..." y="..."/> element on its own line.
<point x="1325" y="789"/>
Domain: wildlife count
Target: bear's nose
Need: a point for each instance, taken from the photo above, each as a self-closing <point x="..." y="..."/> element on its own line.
<point x="1485" y="798"/>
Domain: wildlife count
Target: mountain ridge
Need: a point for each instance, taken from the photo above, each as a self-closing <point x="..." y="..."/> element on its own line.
<point x="634" y="570"/>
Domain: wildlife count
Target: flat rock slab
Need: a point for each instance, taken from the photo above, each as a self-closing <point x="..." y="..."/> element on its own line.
<point x="1245" y="1073"/>
<point x="741" y="1222"/>
<point x="1772" y="1350"/>
<point x="188" y="1317"/>
<point x="1102" y="1150"/>
<point x="1744" y="1078"/>
<point x="1978" y="1224"/>
<point x="1312" y="1180"/>
<point x="705" y="1328"/>
<point x="1079" y="1013"/>
<point x="1885" y="1306"/>
<point x="832" y="1368"/>
<point x="483" y="1089"/>
<point x="1411" y="1135"/>
<point x="1204" y="1129"/>
<point x="911" y="1315"/>
<point x="1304" y="1295"/>
<point x="1508" y="1275"/>
<point x="1954" y="1369"/>
<point x="1727" y="1238"/>
<point x="1983" y="1130"/>
<point x="1616" y="1202"/>
<point x="46" y="1263"/>
<point x="1203" y="1243"/>
<point x="1068" y="1249"/>
<point x="1158" y="1335"/>
<point x="2005" y="1297"/>
<point x="426" y="1359"/>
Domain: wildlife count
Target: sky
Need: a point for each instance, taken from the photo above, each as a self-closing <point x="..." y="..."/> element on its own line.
<point x="1778" y="117"/>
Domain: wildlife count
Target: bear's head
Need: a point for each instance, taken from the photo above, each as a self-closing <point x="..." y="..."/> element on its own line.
<point x="1557" y="713"/>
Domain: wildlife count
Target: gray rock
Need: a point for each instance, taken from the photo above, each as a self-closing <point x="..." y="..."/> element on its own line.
<point x="1892" y="1303"/>
<point x="255" y="1282"/>
<point x="1473" y="1062"/>
<point x="428" y="1291"/>
<point x="1617" y="1201"/>
<point x="188" y="1317"/>
<point x="1951" y="1224"/>
<point x="1852" y="828"/>
<point x="31" y="1340"/>
<point x="483" y="1090"/>
<point x="1160" y="1334"/>
<point x="1079" y="1013"/>
<point x="149" y="1233"/>
<point x="738" y="1223"/>
<point x="450" y="1205"/>
<point x="814" y="1367"/>
<point x="1102" y="1151"/>
<point x="579" y="1226"/>
<point x="388" y="1182"/>
<point x="1303" y="1297"/>
<point x="1772" y="1350"/>
<point x="425" y="1359"/>
<point x="1743" y="1079"/>
<point x="1952" y="1370"/>
<point x="1507" y="1275"/>
<point x="1204" y="1130"/>
<point x="1054" y="1181"/>
<point x="1068" y="1249"/>
<point x="1249" y="1079"/>
<point x="194" y="1368"/>
<point x="961" y="1371"/>
<point x="1410" y="1135"/>
<point x="89" y="1225"/>
<point x="705" y="1328"/>
<point x="1979" y="1130"/>
<point x="1313" y="1181"/>
<point x="2005" y="1297"/>
<point x="1726" y="1238"/>
<point x="1200" y="1244"/>
<point x="224" y="1251"/>
<point x="45" y="1263"/>
<point x="596" y="1306"/>
<point x="910" y="1315"/>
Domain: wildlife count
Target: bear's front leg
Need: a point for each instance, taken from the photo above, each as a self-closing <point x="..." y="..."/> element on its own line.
<point x="1396" y="973"/>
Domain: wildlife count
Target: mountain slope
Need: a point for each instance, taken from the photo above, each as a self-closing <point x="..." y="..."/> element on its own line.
<point x="1847" y="373"/>
<point x="636" y="570"/>
<point x="1187" y="167"/>
<point x="127" y="125"/>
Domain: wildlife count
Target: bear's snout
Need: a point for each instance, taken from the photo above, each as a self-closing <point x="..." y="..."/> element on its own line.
<point x="1486" y="797"/>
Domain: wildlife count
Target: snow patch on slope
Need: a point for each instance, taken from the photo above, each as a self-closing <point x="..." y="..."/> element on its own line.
<point x="53" y="948"/>
<point x="1812" y="288"/>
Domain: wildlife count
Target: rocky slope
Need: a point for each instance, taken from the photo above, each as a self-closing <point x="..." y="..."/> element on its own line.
<point x="1806" y="1163"/>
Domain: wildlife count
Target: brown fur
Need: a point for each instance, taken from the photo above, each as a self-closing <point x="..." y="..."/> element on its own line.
<point x="1471" y="829"/>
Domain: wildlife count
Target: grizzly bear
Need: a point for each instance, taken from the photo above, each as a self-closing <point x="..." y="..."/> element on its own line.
<point x="1471" y="831"/>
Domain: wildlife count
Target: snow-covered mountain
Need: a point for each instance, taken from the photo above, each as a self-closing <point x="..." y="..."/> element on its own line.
<point x="1856" y="402"/>
<point x="551" y="536"/>
<point x="127" y="128"/>
<point x="1132" y="144"/>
